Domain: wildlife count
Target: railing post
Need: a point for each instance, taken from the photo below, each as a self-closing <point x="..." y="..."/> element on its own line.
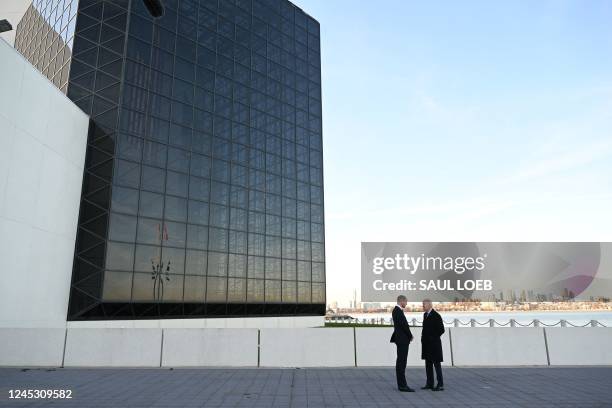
<point x="512" y="323"/>
<point x="563" y="323"/>
<point x="491" y="323"/>
<point x="472" y="322"/>
<point x="456" y="322"/>
<point x="536" y="323"/>
<point x="414" y="321"/>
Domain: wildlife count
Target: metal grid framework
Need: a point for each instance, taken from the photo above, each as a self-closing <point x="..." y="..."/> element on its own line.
<point x="203" y="188"/>
<point x="45" y="36"/>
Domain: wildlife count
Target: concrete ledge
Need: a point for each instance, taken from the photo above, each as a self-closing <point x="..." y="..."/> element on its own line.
<point x="374" y="350"/>
<point x="31" y="347"/>
<point x="209" y="347"/>
<point x="579" y="345"/>
<point x="113" y="348"/>
<point x="498" y="346"/>
<point x="206" y="323"/>
<point x="330" y="347"/>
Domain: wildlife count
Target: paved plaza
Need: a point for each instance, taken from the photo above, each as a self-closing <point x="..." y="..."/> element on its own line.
<point x="314" y="387"/>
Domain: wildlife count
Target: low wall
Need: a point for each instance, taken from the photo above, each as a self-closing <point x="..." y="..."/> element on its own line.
<point x="205" y="323"/>
<point x="373" y="348"/>
<point x="498" y="346"/>
<point x="32" y="347"/>
<point x="299" y="347"/>
<point x="331" y="347"/>
<point x="579" y="345"/>
<point x="210" y="347"/>
<point x="113" y="348"/>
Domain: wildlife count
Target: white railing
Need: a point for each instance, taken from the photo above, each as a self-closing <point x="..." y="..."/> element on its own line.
<point x="467" y="323"/>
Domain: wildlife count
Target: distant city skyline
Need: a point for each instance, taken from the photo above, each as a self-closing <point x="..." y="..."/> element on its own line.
<point x="453" y="122"/>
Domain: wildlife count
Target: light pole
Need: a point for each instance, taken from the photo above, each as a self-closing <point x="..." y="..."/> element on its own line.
<point x="158" y="277"/>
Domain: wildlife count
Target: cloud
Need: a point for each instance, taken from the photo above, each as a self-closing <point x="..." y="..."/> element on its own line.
<point x="569" y="160"/>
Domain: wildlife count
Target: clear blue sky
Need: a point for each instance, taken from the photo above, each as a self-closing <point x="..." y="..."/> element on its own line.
<point x="475" y="120"/>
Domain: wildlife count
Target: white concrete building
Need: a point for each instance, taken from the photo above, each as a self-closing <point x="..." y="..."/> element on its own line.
<point x="42" y="152"/>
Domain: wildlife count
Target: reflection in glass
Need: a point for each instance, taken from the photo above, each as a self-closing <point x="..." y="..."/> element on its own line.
<point x="195" y="262"/>
<point x="174" y="234"/>
<point x="117" y="286"/>
<point x="198" y="212"/>
<point x="149" y="231"/>
<point x="255" y="267"/>
<point x="173" y="289"/>
<point x="289" y="289"/>
<point x="195" y="289"/>
<point x="153" y="179"/>
<point x="304" y="292"/>
<point x="151" y="204"/>
<point x="176" y="209"/>
<point x="127" y="174"/>
<point x="174" y="259"/>
<point x="216" y="290"/>
<point x="197" y="237"/>
<point x="146" y="257"/>
<point x="119" y="256"/>
<point x="236" y="290"/>
<point x="255" y="290"/>
<point x="237" y="265"/>
<point x="273" y="290"/>
<point x="217" y="264"/>
<point x="143" y="289"/>
<point x="124" y="200"/>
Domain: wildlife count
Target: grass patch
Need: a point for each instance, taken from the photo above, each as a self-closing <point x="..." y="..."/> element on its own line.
<point x="356" y="325"/>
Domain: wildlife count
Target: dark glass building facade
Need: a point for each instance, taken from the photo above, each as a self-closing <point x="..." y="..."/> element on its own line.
<point x="203" y="187"/>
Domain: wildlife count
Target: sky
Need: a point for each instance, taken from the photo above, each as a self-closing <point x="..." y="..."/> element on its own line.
<point x="463" y="121"/>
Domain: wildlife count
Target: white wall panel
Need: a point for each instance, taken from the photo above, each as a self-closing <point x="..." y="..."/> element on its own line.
<point x="210" y="348"/>
<point x="29" y="347"/>
<point x="579" y="345"/>
<point x="43" y="137"/>
<point x="331" y="347"/>
<point x="373" y="347"/>
<point x="498" y="346"/>
<point x="113" y="348"/>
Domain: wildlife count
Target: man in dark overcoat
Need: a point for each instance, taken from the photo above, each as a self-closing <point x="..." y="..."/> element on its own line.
<point x="431" y="346"/>
<point x="401" y="337"/>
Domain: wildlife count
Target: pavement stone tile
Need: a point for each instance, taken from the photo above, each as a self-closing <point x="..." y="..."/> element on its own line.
<point x="554" y="387"/>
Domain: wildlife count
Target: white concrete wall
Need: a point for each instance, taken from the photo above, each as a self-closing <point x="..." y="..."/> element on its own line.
<point x="210" y="347"/>
<point x="373" y="347"/>
<point x="113" y="348"/>
<point x="216" y="323"/>
<point x="43" y="137"/>
<point x="498" y="346"/>
<point x="579" y="345"/>
<point x="331" y="347"/>
<point x="298" y="347"/>
<point x="26" y="347"/>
